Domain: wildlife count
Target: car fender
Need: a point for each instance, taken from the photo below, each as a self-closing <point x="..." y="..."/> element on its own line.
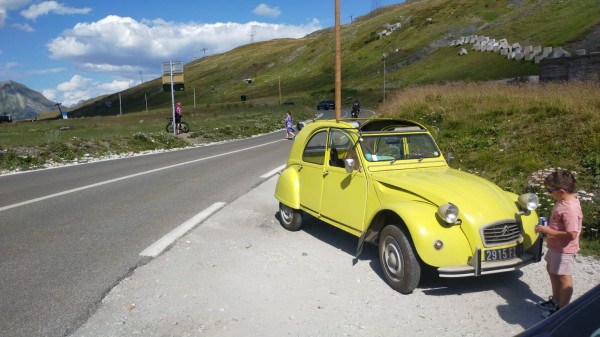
<point x="425" y="228"/>
<point x="287" y="190"/>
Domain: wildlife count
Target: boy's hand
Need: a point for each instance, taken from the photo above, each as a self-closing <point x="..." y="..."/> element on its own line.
<point x="541" y="229"/>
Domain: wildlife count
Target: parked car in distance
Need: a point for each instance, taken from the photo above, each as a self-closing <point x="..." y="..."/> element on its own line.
<point x="579" y="318"/>
<point x="386" y="182"/>
<point x="5" y="119"/>
<point x="326" y="104"/>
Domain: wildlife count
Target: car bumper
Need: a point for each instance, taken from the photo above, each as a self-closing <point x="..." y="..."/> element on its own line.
<point x="476" y="267"/>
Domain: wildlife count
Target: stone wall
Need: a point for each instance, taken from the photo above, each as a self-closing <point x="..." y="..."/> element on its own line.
<point x="574" y="68"/>
<point x="512" y="51"/>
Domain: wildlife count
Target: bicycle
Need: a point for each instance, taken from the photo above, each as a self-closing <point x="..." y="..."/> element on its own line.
<point x="183" y="127"/>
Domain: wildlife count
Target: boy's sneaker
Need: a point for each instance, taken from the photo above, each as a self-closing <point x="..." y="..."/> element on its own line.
<point x="547" y="314"/>
<point x="549" y="305"/>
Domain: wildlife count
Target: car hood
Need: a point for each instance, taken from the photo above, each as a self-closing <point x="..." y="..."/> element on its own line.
<point x="478" y="200"/>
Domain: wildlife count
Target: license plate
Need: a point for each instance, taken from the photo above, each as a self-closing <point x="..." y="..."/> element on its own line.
<point x="503" y="253"/>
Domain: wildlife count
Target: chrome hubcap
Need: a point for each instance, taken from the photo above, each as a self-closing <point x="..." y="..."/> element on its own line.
<point x="392" y="257"/>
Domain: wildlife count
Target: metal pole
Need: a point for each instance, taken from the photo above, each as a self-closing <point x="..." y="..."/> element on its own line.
<point x="279" y="78"/>
<point x="173" y="99"/>
<point x="338" y="64"/>
<point x="383" y="79"/>
<point x="120" y="109"/>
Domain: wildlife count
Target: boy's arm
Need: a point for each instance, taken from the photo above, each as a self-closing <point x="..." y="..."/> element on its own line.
<point x="556" y="233"/>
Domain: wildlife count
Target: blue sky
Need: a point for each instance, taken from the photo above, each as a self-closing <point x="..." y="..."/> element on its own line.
<point x="74" y="50"/>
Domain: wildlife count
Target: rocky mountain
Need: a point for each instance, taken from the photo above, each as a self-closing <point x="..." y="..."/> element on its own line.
<point x="21" y="103"/>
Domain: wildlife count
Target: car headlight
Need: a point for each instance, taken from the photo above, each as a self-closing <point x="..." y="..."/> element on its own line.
<point x="448" y="212"/>
<point x="529" y="201"/>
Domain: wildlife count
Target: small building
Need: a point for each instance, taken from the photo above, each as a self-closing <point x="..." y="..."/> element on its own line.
<point x="5" y="118"/>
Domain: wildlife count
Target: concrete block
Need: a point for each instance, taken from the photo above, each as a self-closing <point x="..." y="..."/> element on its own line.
<point x="557" y="52"/>
<point x="516" y="45"/>
<point x="538" y="58"/>
<point x="580" y="52"/>
<point x="518" y="55"/>
<point x="462" y="52"/>
<point x="546" y="51"/>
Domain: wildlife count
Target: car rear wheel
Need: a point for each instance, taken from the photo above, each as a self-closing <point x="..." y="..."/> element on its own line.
<point x="290" y="218"/>
<point x="398" y="260"/>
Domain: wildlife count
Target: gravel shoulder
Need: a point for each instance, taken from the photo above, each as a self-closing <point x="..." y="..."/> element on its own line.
<point x="241" y="274"/>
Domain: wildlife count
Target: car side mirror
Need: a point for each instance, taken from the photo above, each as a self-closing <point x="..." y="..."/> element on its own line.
<point x="349" y="165"/>
<point x="450" y="157"/>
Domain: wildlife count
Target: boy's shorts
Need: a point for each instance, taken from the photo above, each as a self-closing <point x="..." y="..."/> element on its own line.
<point x="560" y="263"/>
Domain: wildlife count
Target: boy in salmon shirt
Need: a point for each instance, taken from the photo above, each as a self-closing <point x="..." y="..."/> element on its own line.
<point x="562" y="233"/>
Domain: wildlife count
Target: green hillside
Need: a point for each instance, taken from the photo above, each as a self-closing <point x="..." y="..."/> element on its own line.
<point x="417" y="53"/>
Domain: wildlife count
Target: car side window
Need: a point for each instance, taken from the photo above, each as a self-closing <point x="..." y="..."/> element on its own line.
<point x="314" y="152"/>
<point x="340" y="145"/>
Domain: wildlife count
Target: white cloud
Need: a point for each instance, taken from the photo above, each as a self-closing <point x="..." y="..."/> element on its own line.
<point x="46" y="7"/>
<point x="265" y="10"/>
<point x="7" y="5"/>
<point x="80" y="88"/>
<point x="46" y="71"/>
<point x="124" y="47"/>
<point x="24" y="27"/>
<point x="116" y="86"/>
<point x="122" y="44"/>
<point x="49" y="94"/>
<point x="75" y="83"/>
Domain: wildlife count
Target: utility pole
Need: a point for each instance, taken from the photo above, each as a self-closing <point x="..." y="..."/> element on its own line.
<point x="204" y="50"/>
<point x="279" y="79"/>
<point x="338" y="64"/>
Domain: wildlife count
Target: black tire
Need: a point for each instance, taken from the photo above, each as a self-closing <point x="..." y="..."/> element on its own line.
<point x="169" y="128"/>
<point x="290" y="218"/>
<point x="398" y="260"/>
<point x="183" y="127"/>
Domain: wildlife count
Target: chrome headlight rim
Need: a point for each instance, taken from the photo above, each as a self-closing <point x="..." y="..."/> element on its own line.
<point x="529" y="201"/>
<point x="448" y="212"/>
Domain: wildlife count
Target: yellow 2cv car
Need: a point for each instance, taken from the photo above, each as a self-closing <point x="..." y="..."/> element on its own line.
<point x="386" y="182"/>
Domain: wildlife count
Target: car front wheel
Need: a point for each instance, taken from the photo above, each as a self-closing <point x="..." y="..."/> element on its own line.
<point x="398" y="260"/>
<point x="290" y="218"/>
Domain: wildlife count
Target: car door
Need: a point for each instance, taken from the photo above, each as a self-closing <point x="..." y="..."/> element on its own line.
<point x="310" y="175"/>
<point x="344" y="196"/>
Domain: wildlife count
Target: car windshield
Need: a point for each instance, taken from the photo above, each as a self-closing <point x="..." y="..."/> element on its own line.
<point x="392" y="147"/>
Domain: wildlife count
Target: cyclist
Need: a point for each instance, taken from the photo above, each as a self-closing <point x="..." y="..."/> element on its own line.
<point x="178" y="114"/>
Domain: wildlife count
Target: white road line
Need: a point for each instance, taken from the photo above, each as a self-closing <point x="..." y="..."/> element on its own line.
<point x="161" y="244"/>
<point x="272" y="172"/>
<point x="127" y="177"/>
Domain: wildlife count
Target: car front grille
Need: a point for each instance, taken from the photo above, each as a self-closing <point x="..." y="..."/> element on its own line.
<point x="500" y="233"/>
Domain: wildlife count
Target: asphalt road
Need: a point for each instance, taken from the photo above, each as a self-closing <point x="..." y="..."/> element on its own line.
<point x="69" y="234"/>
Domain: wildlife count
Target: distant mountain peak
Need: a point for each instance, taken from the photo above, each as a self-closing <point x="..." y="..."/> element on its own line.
<point x="20" y="102"/>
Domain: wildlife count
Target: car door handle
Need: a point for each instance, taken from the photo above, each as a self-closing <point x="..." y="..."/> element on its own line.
<point x="325" y="173"/>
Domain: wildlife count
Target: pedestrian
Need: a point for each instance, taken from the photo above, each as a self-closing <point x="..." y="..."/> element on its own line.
<point x="289" y="126"/>
<point x="178" y="113"/>
<point x="562" y="239"/>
